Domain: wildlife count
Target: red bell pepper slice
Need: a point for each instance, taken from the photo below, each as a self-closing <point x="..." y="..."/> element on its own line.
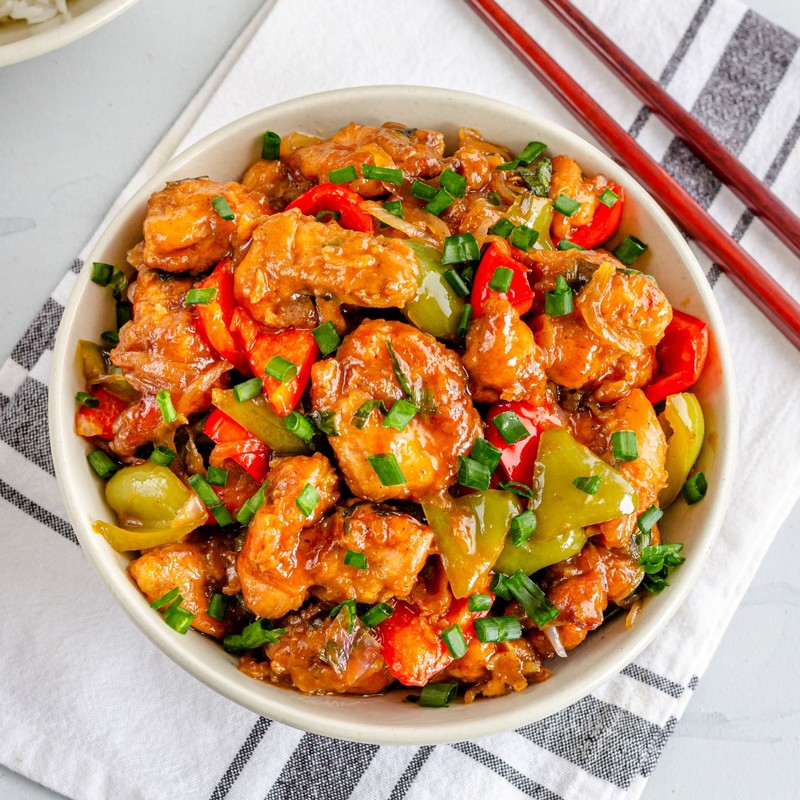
<point x="214" y="318"/>
<point x="519" y="294"/>
<point x="293" y="344"/>
<point x="250" y="453"/>
<point x="518" y="459"/>
<point x="681" y="356"/>
<point x="99" y="421"/>
<point x="334" y="197"/>
<point x="603" y="224"/>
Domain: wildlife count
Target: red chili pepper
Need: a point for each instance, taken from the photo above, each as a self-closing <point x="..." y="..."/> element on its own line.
<point x="519" y="293"/>
<point x="681" y="356"/>
<point x="333" y="197"/>
<point x="99" y="421"/>
<point x="250" y="453"/>
<point x="295" y="345"/>
<point x="214" y="318"/>
<point x="603" y="224"/>
<point x="518" y="459"/>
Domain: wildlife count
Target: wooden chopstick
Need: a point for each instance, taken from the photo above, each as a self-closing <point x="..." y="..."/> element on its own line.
<point x="741" y="268"/>
<point x="746" y="186"/>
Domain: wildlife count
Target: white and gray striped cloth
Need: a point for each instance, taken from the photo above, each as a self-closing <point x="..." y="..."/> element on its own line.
<point x="93" y="710"/>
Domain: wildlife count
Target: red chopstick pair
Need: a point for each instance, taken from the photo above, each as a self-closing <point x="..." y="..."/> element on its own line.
<point x="741" y="268"/>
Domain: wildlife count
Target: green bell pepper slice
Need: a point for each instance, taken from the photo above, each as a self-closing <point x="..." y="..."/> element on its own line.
<point x="685" y="429"/>
<point x="535" y="212"/>
<point x="533" y="555"/>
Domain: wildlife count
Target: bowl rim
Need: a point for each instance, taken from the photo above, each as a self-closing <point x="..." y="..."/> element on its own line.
<point x="301" y="715"/>
<point x="76" y="27"/>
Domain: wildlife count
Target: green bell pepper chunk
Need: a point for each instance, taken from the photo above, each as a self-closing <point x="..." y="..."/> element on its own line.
<point x="437" y="308"/>
<point x="470" y="532"/>
<point x="558" y="504"/>
<point x="535" y="212"/>
<point x="684" y="426"/>
<point x="532" y="555"/>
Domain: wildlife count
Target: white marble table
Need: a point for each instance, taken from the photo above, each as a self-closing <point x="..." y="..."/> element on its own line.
<point x="73" y="133"/>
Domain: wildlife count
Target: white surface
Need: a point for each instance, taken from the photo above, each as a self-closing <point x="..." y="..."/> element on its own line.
<point x="738" y="738"/>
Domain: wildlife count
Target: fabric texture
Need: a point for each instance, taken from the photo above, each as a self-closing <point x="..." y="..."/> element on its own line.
<point x="93" y="710"/>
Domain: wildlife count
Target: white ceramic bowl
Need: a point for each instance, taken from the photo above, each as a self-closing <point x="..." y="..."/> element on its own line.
<point x="20" y="40"/>
<point x="386" y="719"/>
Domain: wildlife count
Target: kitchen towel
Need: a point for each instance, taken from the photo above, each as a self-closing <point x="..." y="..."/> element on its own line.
<point x="90" y="708"/>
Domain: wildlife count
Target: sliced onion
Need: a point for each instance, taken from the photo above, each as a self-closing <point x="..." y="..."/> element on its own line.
<point x="418" y="224"/>
<point x="554" y="637"/>
<point x="633" y="614"/>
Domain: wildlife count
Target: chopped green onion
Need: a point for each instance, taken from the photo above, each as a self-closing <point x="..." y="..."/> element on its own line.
<point x="499" y="585"/>
<point x="438" y="695"/>
<point x="397" y="368"/>
<point x="362" y="414"/>
<point x="658" y="560"/>
<point x="486" y="453"/>
<point x="217" y="606"/>
<point x="507" y="166"/>
<point x="454" y="641"/>
<point x="222" y="207"/>
<point x="87" y="400"/>
<point x="101" y="463"/>
<point x="629" y="249"/>
<point x="350" y="607"/>
<point x="395" y="208"/>
<point x="531" y="152"/>
<point x="178" y="618"/>
<point x="271" y="146"/>
<point x="166" y="599"/>
<point x="387" y="469"/>
<point x="221" y="515"/>
<point x="624" y="445"/>
<point x="565" y="205"/>
<point x="647" y="520"/>
<point x="694" y="490"/>
<point x="118" y="284"/>
<point x="466" y="318"/>
<point x="479" y="602"/>
<point x="326" y="337"/>
<point x="324" y="422"/>
<point x="589" y="484"/>
<point x="247" y="390"/>
<point x="457" y="282"/>
<point x="523" y="237"/>
<point x="281" y="369"/>
<point x="423" y="191"/>
<point x="454" y="183"/>
<point x="101" y="273"/>
<point x="473" y="474"/>
<point x="163" y="455"/>
<point x="352" y="558"/>
<point x="326" y="215"/>
<point x="307" y="500"/>
<point x="124" y="313"/>
<point x="501" y="279"/>
<point x="565" y="244"/>
<point x="608" y="198"/>
<point x="522" y="527"/>
<point x="400" y="414"/>
<point x="255" y="635"/>
<point x="494" y="198"/>
<point x="110" y="337"/>
<point x="559" y="301"/>
<point x="298" y="425"/>
<point x="245" y="514"/>
<point x="343" y="175"/>
<point x="502" y="227"/>
<point x="380" y="612"/>
<point x="517" y="488"/>
<point x="441" y="201"/>
<point x="168" y="411"/>
<point x="498" y="629"/>
<point x="537" y="607"/>
<point x="538" y="179"/>
<point x="204" y="491"/>
<point x="385" y="174"/>
<point x="217" y="476"/>
<point x="510" y="427"/>
<point x="200" y="297"/>
<point x="460" y="248"/>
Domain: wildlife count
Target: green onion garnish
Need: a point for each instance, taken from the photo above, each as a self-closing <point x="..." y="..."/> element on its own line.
<point x="124" y="313"/>
<point x="538" y="179"/>
<point x="486" y="453"/>
<point x="516" y="488"/>
<point x="324" y="422"/>
<point x="178" y="618"/>
<point x="307" y="500"/>
<point x="559" y="301"/>
<point x="200" y="297"/>
<point x="222" y="207"/>
<point x="507" y="166"/>
<point x="362" y="414"/>
<point x="326" y="215"/>
<point x="499" y="585"/>
<point x="348" y="606"/>
<point x="281" y="369"/>
<point x="221" y="515"/>
<point x="438" y="695"/>
<point x="502" y="227"/>
<point x="498" y="629"/>
<point x="537" y="607"/>
<point x="522" y="527"/>
<point x="460" y="248"/>
<point x="400" y="414"/>
<point x="271" y="146"/>
<point x="589" y="484"/>
<point x="466" y="318"/>
<point x="647" y="520"/>
<point x="352" y="558"/>
<point x="168" y="411"/>
<point x="629" y="249"/>
<point x="531" y="152"/>
<point x="165" y="599"/>
<point x="473" y="474"/>
<point x="397" y="368"/>
<point x="501" y="280"/>
<point x="217" y="606"/>
<point x="204" y="491"/>
<point x="565" y="244"/>
<point x="163" y="455"/>
<point x="101" y="273"/>
<point x="343" y="175"/>
<point x="454" y="183"/>
<point x="565" y="205"/>
<point x="395" y="208"/>
<point x="694" y="490"/>
<point x="87" y="400"/>
<point x="494" y="198"/>
<point x="101" y="463"/>
<point x="608" y="198"/>
<point x="247" y="390"/>
<point x="479" y="602"/>
<point x="245" y="514"/>
<point x="658" y="560"/>
<point x="298" y="425"/>
<point x="441" y="201"/>
<point x="110" y="337"/>
<point x="523" y="237"/>
<point x="423" y="191"/>
<point x="457" y="282"/>
<point x="454" y="640"/>
<point x="118" y="284"/>
<point x="624" y="445"/>
<point x="385" y="174"/>
<point x="510" y="427"/>
<point x="217" y="476"/>
<point x="326" y="337"/>
<point x="377" y="614"/>
<point x="255" y="635"/>
<point x="387" y="469"/>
